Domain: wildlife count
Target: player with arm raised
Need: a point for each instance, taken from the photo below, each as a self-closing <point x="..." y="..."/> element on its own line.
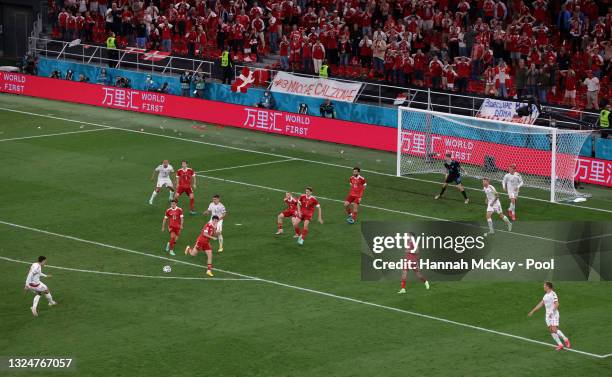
<point x="164" y="179"/>
<point x="216" y="208"/>
<point x="351" y="204"/>
<point x="34" y="284"/>
<point x="306" y="207"/>
<point x="453" y="175"/>
<point x="493" y="205"/>
<point x="512" y="183"/>
<point x="551" y="303"/>
<point x="291" y="203"/>
<point x="203" y="243"/>
<point x="186" y="184"/>
<point x="174" y="217"/>
<point x="411" y="263"/>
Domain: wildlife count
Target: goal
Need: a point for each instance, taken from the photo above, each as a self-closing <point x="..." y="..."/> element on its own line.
<point x="545" y="156"/>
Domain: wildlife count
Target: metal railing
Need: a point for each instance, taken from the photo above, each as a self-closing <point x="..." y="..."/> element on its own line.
<point x="117" y="58"/>
<point x="372" y="93"/>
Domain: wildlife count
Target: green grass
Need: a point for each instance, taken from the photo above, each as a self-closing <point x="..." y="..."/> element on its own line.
<point x="94" y="186"/>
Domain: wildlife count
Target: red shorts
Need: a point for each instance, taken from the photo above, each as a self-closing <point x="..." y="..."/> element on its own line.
<point x="175" y="229"/>
<point x="305" y="216"/>
<point x="203" y="245"/>
<point x="184" y="189"/>
<point x="288" y="213"/>
<point x="353" y="199"/>
<point x="413" y="262"/>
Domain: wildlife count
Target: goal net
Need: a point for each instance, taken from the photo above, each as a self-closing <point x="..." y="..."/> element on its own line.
<point x="545" y="156"/>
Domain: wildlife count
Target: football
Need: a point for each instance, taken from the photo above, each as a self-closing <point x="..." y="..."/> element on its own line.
<point x="167" y="269"/>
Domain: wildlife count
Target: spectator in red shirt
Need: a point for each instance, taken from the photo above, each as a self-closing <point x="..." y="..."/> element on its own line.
<point x="435" y="71"/>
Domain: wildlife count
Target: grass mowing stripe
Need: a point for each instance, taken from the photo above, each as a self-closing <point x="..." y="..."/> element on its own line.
<point x="287" y="157"/>
<point x="313" y="291"/>
<point x="128" y="275"/>
<point x="378" y="208"/>
<point x="249" y="165"/>
<point x="57" y="134"/>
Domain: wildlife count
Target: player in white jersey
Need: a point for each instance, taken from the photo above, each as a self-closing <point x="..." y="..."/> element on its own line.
<point x="216" y="208"/>
<point x="493" y="205"/>
<point x="512" y="183"/>
<point x="34" y="284"/>
<point x="164" y="172"/>
<point x="551" y="303"/>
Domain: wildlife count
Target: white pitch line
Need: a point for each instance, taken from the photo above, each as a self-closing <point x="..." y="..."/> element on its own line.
<point x="128" y="275"/>
<point x="313" y="291"/>
<point x="247" y="165"/>
<point x="379" y="208"/>
<point x="56" y="134"/>
<point x="287" y="157"/>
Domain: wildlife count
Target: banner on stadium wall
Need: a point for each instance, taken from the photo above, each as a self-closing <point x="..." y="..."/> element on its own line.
<point x="288" y="83"/>
<point x="506" y="111"/>
<point x="595" y="171"/>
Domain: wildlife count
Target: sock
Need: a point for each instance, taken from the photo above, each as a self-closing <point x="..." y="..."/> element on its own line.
<point x="220" y="241"/>
<point x="561" y="335"/>
<point x="297" y="230"/>
<point x="506" y="220"/>
<point x="511" y="209"/>
<point x="209" y="266"/>
<point x="304" y="233"/>
<point x="403" y="283"/>
<point x="490" y="222"/>
<point x="464" y="194"/>
<point x="35" y="302"/>
<point x="422" y="279"/>
<point x="348" y="210"/>
<point x="556" y="338"/>
<point x="191" y="203"/>
<point x="442" y="191"/>
<point x="48" y="297"/>
<point x="280" y="226"/>
<point x="354" y="215"/>
<point x="170" y="195"/>
<point x="172" y="242"/>
<point x="153" y="196"/>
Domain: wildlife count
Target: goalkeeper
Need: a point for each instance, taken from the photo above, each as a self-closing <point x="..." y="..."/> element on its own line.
<point x="453" y="175"/>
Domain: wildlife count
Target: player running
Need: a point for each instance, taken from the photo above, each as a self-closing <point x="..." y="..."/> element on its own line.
<point x="306" y="206"/>
<point x="453" y="175"/>
<point x="203" y="243"/>
<point x="174" y="217"/>
<point x="411" y="263"/>
<point x="164" y="174"/>
<point x="351" y="204"/>
<point x="493" y="205"/>
<point x="216" y="208"/>
<point x="551" y="303"/>
<point x="291" y="210"/>
<point x="186" y="179"/>
<point x="511" y="183"/>
<point x="34" y="284"/>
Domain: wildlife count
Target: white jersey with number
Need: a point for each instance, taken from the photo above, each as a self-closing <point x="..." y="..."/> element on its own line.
<point x="164" y="174"/>
<point x="33" y="280"/>
<point x="219" y="211"/>
<point x="512" y="183"/>
<point x="552" y="314"/>
<point x="493" y="204"/>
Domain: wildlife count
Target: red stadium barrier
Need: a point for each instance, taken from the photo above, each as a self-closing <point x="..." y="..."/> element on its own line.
<point x="594" y="171"/>
<point x="225" y="114"/>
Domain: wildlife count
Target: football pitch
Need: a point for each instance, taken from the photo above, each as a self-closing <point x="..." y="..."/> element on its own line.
<point x="76" y="185"/>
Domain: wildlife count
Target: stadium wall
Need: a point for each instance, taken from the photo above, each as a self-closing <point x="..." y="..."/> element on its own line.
<point x="594" y="171"/>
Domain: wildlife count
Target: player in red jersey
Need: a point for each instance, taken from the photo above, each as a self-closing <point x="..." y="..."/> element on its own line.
<point x="291" y="203"/>
<point x="203" y="243"/>
<point x="174" y="217"/>
<point x="186" y="184"/>
<point x="306" y="207"/>
<point x="411" y="262"/>
<point x="351" y="204"/>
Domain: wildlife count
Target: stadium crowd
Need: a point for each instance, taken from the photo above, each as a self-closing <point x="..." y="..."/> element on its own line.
<point x="557" y="51"/>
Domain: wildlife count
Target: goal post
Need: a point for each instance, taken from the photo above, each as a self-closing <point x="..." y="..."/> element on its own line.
<point x="546" y="157"/>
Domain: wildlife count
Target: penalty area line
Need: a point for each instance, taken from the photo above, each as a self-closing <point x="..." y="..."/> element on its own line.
<point x="128" y="275"/>
<point x="56" y="134"/>
<point x="248" y="165"/>
<point x="313" y="291"/>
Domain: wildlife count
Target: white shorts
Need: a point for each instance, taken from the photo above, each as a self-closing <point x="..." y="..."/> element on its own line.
<point x="552" y="321"/>
<point x="164" y="182"/>
<point x="494" y="208"/>
<point x="512" y="194"/>
<point x="220" y="226"/>
<point x="39" y="288"/>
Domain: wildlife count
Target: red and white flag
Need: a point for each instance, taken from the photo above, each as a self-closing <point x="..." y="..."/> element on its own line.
<point x="135" y="50"/>
<point x="246" y="79"/>
<point x="155" y="56"/>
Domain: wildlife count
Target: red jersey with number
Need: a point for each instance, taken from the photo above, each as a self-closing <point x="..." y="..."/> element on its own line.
<point x="174" y="215"/>
<point x="308" y="204"/>
<point x="291" y="203"/>
<point x="209" y="229"/>
<point x="358" y="184"/>
<point x="185" y="176"/>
